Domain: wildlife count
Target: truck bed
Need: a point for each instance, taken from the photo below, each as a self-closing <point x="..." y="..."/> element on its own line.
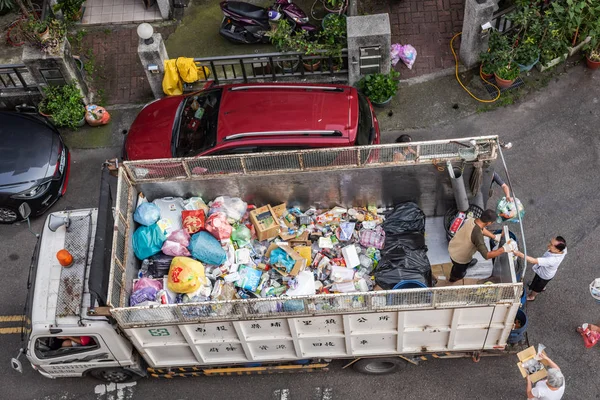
<point x="334" y="325"/>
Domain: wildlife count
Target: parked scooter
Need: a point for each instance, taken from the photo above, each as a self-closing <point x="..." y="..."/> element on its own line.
<point x="247" y="23"/>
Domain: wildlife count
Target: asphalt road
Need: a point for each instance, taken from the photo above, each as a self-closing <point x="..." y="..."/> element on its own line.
<point x="554" y="166"/>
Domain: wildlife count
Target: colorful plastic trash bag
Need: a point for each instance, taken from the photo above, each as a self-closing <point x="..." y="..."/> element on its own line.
<point x="206" y="248"/>
<point x="509" y="211"/>
<point x="193" y="220"/>
<point x="233" y="207"/>
<point x="185" y="275"/>
<point x="147" y="282"/>
<point x="406" y="53"/>
<point x="218" y="226"/>
<point x="177" y="243"/>
<point x="146" y="214"/>
<point x="147" y="241"/>
<point x="241" y="235"/>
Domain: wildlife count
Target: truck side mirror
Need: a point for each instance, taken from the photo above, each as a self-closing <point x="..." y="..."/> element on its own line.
<point x="24" y="210"/>
<point x="16" y="364"/>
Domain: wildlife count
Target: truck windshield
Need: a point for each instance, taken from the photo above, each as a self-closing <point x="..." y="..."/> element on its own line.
<point x="197" y="128"/>
<point x="366" y="130"/>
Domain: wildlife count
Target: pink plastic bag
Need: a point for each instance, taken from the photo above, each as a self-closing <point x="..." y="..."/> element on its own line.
<point x="177" y="243"/>
<point x="372" y="237"/>
<point x="218" y="226"/>
<point x="406" y="53"/>
<point x="147" y="282"/>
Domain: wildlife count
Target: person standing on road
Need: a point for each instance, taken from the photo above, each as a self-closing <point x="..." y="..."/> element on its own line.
<point x="551" y="388"/>
<point x="469" y="240"/>
<point x="545" y="266"/>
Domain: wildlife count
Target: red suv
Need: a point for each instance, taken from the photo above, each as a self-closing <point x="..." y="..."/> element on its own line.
<point x="248" y="118"/>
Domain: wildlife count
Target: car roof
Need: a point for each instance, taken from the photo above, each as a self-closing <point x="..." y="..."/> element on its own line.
<point x="285" y="114"/>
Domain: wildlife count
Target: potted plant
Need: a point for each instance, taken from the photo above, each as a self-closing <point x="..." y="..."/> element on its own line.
<point x="553" y="44"/>
<point x="487" y="66"/>
<point x="335" y="6"/>
<point x="71" y="9"/>
<point x="36" y="29"/>
<point x="506" y="75"/>
<point x="281" y="37"/>
<point x="527" y="54"/>
<point x="593" y="59"/>
<point x="63" y="105"/>
<point x="333" y="39"/>
<point x="575" y="18"/>
<point x="380" y="88"/>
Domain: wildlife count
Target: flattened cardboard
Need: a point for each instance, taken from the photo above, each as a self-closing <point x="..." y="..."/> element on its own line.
<point x="265" y="222"/>
<point x="299" y="261"/>
<point x="528" y="354"/>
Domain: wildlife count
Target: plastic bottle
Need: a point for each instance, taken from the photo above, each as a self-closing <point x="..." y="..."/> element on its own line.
<point x="457" y="223"/>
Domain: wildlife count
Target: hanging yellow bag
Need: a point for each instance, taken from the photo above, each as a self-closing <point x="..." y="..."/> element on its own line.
<point x="190" y="72"/>
<point x="172" y="84"/>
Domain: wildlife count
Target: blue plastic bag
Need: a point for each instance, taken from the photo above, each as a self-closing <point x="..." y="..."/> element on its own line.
<point x="206" y="248"/>
<point x="147" y="241"/>
<point x="146" y="214"/>
<point x="280" y="257"/>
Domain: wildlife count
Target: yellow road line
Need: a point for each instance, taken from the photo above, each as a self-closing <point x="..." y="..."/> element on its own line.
<point x="11" y="318"/>
<point x="6" y="331"/>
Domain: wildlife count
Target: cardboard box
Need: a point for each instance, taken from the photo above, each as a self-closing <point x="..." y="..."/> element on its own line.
<point x="280" y="211"/>
<point x="301" y="240"/>
<point x="528" y="354"/>
<point x="265" y="222"/>
<point x="300" y="262"/>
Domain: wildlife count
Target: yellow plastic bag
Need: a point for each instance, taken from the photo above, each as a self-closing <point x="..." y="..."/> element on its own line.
<point x="172" y="84"/>
<point x="189" y="71"/>
<point x="305" y="252"/>
<point x="186" y="275"/>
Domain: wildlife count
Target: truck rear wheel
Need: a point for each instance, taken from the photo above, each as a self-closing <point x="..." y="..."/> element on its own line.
<point x="377" y="366"/>
<point x="114" y="375"/>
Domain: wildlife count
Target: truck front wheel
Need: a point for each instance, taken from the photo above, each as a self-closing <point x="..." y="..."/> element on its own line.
<point x="377" y="366"/>
<point x="114" y="375"/>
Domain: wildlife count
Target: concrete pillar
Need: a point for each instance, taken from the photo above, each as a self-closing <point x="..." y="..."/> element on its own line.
<point x="473" y="41"/>
<point x="368" y="35"/>
<point x="153" y="57"/>
<point x="56" y="68"/>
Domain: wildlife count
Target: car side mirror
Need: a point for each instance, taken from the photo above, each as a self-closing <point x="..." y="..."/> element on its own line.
<point x="24" y="210"/>
<point x="15" y="363"/>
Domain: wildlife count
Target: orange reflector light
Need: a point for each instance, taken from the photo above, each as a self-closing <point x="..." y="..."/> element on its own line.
<point x="64" y="258"/>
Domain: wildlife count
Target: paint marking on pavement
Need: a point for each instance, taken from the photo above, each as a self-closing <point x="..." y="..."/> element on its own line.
<point x="8" y="331"/>
<point x="281" y="394"/>
<point x="115" y="391"/>
<point x="12" y="318"/>
<point x="323" y="394"/>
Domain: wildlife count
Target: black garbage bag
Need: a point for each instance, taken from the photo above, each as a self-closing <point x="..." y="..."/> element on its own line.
<point x="159" y="264"/>
<point x="406" y="217"/>
<point x="410" y="240"/>
<point x="389" y="277"/>
<point x="402" y="263"/>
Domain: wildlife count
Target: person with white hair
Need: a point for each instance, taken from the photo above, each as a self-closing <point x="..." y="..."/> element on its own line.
<point x="551" y="388"/>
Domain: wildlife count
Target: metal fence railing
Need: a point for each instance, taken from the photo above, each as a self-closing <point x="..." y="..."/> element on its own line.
<point x="389" y="300"/>
<point x="430" y="152"/>
<point x="273" y="66"/>
<point x="16" y="77"/>
<point x="500" y="20"/>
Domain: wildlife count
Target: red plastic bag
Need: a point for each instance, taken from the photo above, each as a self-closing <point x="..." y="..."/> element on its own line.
<point x="193" y="220"/>
<point x="218" y="226"/>
<point x="590" y="338"/>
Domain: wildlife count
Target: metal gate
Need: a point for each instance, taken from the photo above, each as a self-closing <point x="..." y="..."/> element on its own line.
<point x="17" y="87"/>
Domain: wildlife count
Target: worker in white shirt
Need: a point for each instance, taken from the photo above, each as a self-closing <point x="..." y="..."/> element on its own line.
<point x="551" y="388"/>
<point x="545" y="266"/>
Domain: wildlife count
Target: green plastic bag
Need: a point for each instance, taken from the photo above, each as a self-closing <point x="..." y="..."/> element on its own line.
<point x="241" y="235"/>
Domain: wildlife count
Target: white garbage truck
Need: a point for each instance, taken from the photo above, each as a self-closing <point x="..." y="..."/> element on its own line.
<point x="375" y="330"/>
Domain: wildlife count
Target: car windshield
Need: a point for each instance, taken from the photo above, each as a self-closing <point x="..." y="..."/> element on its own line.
<point x="197" y="128"/>
<point x="366" y="133"/>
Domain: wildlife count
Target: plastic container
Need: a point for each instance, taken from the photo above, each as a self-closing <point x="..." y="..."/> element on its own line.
<point x="518" y="335"/>
<point x="410" y="284"/>
<point x="595" y="290"/>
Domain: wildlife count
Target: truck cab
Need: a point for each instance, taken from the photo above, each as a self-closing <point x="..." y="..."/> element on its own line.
<point x="63" y="302"/>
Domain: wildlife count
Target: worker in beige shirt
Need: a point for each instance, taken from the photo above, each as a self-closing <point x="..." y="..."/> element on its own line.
<point x="469" y="239"/>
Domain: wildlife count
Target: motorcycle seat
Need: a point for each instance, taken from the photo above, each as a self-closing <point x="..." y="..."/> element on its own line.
<point x="248" y="10"/>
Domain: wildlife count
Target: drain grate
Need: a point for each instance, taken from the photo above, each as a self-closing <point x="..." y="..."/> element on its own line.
<point x="493" y="91"/>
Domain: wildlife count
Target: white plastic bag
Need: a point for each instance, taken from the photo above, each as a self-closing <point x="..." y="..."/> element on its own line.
<point x="406" y="53"/>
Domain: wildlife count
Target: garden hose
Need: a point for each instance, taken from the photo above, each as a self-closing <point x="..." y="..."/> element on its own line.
<point x="461" y="84"/>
